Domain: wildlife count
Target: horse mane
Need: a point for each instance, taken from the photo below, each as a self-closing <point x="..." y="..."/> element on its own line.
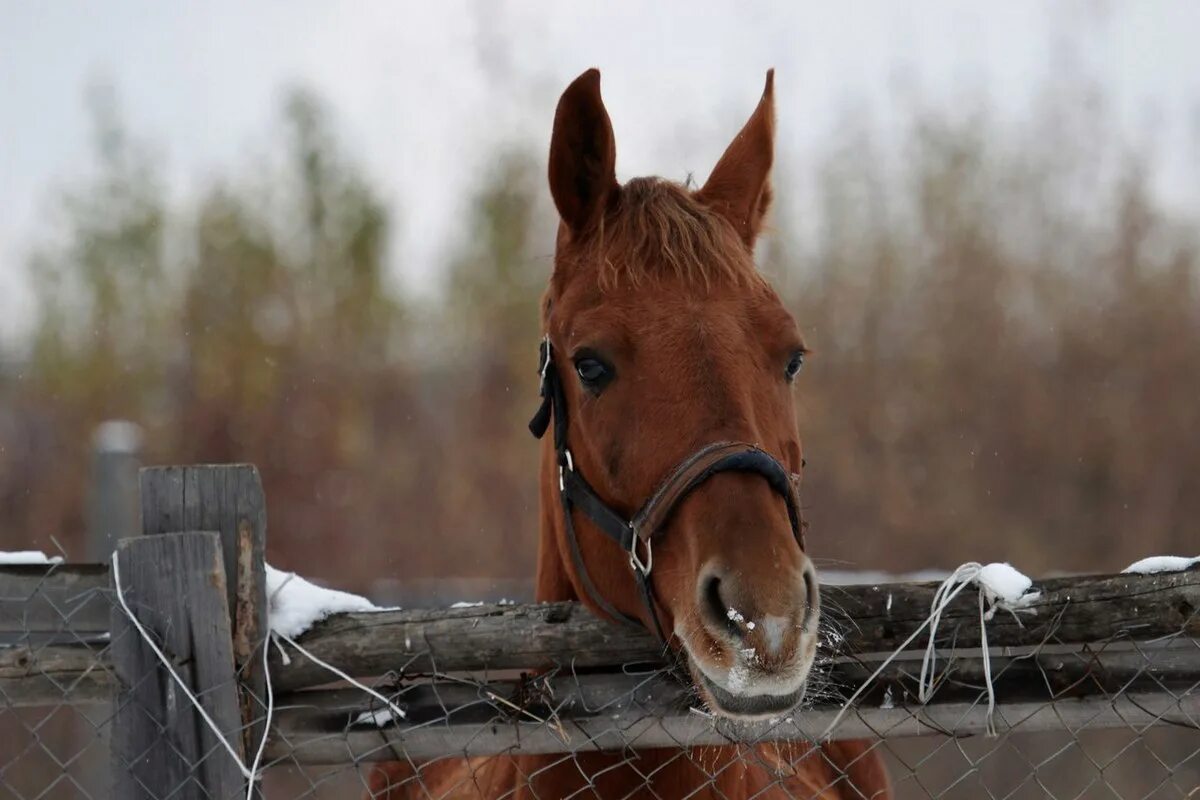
<point x="656" y="228"/>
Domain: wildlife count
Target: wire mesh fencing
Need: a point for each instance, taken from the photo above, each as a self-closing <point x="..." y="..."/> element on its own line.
<point x="53" y="723"/>
<point x="1092" y="691"/>
<point x="80" y="718"/>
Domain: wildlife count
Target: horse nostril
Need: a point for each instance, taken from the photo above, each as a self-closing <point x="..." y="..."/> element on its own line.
<point x="721" y="615"/>
<point x="811" y="599"/>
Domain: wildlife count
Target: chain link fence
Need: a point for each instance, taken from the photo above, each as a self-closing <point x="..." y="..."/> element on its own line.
<point x="1096" y="693"/>
<point x="53" y="724"/>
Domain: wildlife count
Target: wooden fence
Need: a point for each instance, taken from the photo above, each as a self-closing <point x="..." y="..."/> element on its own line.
<point x="1114" y="651"/>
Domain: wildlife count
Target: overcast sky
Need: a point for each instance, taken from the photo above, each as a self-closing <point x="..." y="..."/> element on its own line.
<point x="422" y="92"/>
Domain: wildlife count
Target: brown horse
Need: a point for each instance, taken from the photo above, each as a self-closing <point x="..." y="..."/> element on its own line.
<point x="668" y="370"/>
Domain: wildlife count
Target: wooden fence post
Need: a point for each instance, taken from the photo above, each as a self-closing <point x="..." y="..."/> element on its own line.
<point x="227" y="499"/>
<point x="161" y="746"/>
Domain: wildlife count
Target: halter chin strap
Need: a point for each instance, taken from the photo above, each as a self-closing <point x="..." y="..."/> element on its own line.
<point x="635" y="536"/>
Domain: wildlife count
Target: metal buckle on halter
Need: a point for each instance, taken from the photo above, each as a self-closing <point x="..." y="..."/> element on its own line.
<point x="636" y="562"/>
<point x="545" y="357"/>
<point x="570" y="466"/>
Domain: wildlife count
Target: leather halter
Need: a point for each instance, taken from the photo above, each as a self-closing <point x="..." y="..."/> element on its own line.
<point x="636" y="536"/>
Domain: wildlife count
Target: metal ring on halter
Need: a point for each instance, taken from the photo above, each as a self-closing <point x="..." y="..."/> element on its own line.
<point x="635" y="561"/>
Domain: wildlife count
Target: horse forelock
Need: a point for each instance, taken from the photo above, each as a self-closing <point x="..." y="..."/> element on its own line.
<point x="656" y="229"/>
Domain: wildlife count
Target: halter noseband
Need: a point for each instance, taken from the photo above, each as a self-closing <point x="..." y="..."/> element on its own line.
<point x="636" y="536"/>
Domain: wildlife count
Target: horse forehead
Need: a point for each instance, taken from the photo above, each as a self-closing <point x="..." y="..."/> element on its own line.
<point x="692" y="315"/>
<point x="701" y="331"/>
<point x="653" y="317"/>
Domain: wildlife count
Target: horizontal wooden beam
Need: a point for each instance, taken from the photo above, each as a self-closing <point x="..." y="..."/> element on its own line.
<point x="33" y="676"/>
<point x="611" y="711"/>
<point x="62" y="600"/>
<point x="874" y="620"/>
<point x="1095" y="652"/>
<point x="75" y="598"/>
<point x="1087" y="608"/>
<point x="868" y="618"/>
<point x="40" y="675"/>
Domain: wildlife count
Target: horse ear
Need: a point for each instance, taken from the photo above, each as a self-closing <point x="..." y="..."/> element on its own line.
<point x="583" y="154"/>
<point x="739" y="187"/>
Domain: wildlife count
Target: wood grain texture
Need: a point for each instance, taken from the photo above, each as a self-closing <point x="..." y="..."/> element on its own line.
<point x="869" y="618"/>
<point x="228" y="499"/>
<point x="1078" y="610"/>
<point x="175" y="585"/>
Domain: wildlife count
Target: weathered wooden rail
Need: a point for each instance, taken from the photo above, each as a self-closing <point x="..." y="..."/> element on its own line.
<point x="873" y="619"/>
<point x="1103" y="651"/>
<point x="1106" y="648"/>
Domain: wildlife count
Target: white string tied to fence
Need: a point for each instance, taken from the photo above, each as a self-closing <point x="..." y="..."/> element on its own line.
<point x="1001" y="587"/>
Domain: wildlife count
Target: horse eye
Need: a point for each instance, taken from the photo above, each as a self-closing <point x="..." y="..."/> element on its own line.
<point x="593" y="372"/>
<point x="794" y="365"/>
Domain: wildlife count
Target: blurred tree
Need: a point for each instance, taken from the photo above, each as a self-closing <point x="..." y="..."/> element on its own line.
<point x="1006" y="351"/>
<point x="503" y="264"/>
<point x="99" y="284"/>
<point x="101" y="288"/>
<point x="269" y="333"/>
<point x="999" y="372"/>
<point x="491" y="329"/>
<point x="294" y="341"/>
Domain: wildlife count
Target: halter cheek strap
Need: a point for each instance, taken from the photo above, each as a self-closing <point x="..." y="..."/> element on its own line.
<point x="636" y="536"/>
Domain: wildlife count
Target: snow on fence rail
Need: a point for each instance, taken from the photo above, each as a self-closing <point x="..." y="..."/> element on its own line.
<point x="1088" y="653"/>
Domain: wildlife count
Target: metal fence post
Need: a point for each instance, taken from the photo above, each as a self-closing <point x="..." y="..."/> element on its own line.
<point x="112" y="514"/>
<point x="112" y="511"/>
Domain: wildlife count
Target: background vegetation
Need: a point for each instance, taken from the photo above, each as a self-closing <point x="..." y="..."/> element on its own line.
<point x="1007" y="336"/>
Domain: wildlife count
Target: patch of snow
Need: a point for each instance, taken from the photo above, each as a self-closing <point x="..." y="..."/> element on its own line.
<point x="739" y="678"/>
<point x="379" y="718"/>
<point x="733" y="615"/>
<point x="1002" y="583"/>
<point x="23" y="557"/>
<point x="889" y="603"/>
<point x="1157" y="564"/>
<point x="466" y="604"/>
<point x="295" y="605"/>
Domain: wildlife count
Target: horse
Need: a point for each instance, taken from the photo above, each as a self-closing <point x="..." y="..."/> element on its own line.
<point x="669" y="486"/>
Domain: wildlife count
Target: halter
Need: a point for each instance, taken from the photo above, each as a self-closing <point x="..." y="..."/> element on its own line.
<point x="636" y="536"/>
